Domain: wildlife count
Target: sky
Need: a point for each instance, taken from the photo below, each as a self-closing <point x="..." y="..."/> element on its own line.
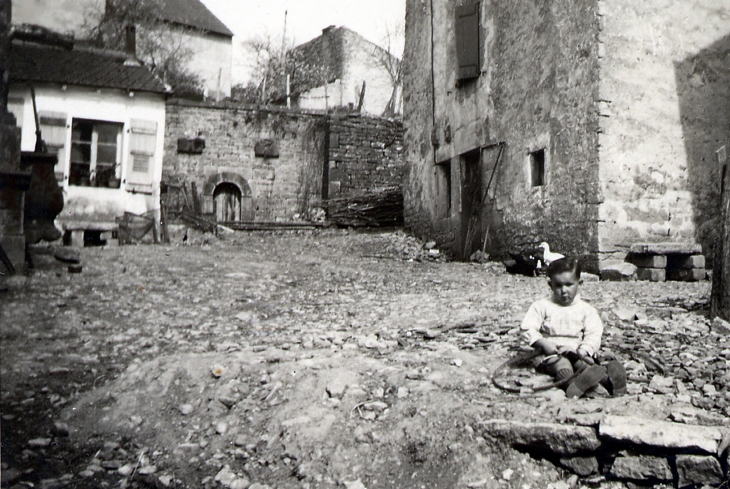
<point x="305" y="20"/>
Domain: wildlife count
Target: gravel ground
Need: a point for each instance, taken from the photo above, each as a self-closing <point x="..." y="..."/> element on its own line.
<point x="309" y="359"/>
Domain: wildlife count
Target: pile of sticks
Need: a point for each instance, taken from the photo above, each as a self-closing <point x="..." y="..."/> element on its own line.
<point x="375" y="209"/>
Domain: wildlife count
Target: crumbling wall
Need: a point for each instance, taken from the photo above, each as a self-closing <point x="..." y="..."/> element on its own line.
<point x="365" y="155"/>
<point x="665" y="108"/>
<point x="285" y="181"/>
<point x="537" y="89"/>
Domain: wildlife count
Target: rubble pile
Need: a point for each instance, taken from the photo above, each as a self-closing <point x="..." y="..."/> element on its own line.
<point x="294" y="359"/>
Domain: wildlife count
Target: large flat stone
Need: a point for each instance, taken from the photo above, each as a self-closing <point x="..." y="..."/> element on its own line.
<point x="558" y="438"/>
<point x="642" y="467"/>
<point x="663" y="434"/>
<point x="698" y="469"/>
<point x="666" y="248"/>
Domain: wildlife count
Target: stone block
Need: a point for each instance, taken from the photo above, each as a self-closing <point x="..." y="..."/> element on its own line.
<point x="14" y="247"/>
<point x="691" y="261"/>
<point x="651" y="274"/>
<point x="558" y="438"/>
<point x="618" y="271"/>
<point x="666" y="248"/>
<point x="663" y="434"/>
<point x="687" y="274"/>
<point x="642" y="467"/>
<point x="720" y="326"/>
<point x="583" y="466"/>
<point x="648" y="261"/>
<point x="698" y="469"/>
<point x="67" y="254"/>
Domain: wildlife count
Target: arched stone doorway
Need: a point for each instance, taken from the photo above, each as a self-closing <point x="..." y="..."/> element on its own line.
<point x="227" y="202"/>
<point x="230" y="197"/>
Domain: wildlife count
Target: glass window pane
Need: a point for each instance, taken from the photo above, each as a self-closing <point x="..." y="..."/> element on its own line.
<point x="81" y="153"/>
<point x="107" y="132"/>
<point x="81" y="130"/>
<point x="106" y="154"/>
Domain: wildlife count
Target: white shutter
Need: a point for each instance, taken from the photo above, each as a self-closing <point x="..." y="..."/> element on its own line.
<point x="53" y="132"/>
<point x="142" y="142"/>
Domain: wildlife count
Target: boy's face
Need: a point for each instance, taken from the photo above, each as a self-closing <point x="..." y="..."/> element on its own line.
<point x="565" y="287"/>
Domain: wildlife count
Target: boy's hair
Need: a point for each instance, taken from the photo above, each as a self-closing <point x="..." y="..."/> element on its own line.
<point x="567" y="264"/>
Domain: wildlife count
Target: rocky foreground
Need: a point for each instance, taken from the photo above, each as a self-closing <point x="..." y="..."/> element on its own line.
<point x="337" y="359"/>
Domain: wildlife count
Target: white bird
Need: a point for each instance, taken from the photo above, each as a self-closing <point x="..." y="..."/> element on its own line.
<point x="548" y="256"/>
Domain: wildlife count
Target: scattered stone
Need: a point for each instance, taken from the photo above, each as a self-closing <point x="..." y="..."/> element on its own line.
<point x="336" y="388"/>
<point x="186" y="409"/>
<point x="589" y="277"/>
<point x="39" y="442"/>
<point x="357" y="484"/>
<point x="507" y="474"/>
<point x="402" y="392"/>
<point x="67" y="254"/>
<point x="241" y="483"/>
<point x="240" y="441"/>
<point x="258" y="485"/>
<point x="698" y="469"/>
<point x="618" y="271"/>
<point x="221" y="427"/>
<point x="60" y="428"/>
<point x="86" y="474"/>
<point x="457" y="362"/>
<point x="662" y="385"/>
<point x="125" y="470"/>
<point x="720" y="326"/>
<point x="111" y="464"/>
<point x="217" y="371"/>
<point x="641" y="467"/>
<point x="165" y="480"/>
<point x="375" y="406"/>
<point x="147" y="470"/>
<point x="583" y="466"/>
<point x="225" y="476"/>
<point x="560" y="439"/>
<point x="660" y="433"/>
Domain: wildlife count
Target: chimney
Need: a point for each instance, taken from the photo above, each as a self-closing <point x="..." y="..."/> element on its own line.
<point x="130" y="46"/>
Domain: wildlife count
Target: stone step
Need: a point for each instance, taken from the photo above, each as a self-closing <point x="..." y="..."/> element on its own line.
<point x="666" y="248"/>
<point x="651" y="274"/>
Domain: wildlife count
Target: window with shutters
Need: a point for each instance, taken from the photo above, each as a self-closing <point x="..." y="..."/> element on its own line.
<point x="142" y="142"/>
<point x="468" y="52"/>
<point x="95" y="153"/>
<point x="53" y="131"/>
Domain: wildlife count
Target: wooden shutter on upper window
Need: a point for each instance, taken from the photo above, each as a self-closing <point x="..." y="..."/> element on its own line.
<point x="53" y="131"/>
<point x="142" y="142"/>
<point x="467" y="40"/>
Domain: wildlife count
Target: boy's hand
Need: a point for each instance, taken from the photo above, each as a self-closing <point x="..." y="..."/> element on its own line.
<point x="583" y="355"/>
<point x="546" y="346"/>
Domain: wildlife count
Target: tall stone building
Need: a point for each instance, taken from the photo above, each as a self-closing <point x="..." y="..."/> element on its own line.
<point x="601" y="117"/>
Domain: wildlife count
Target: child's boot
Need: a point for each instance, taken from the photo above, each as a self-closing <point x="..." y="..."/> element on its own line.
<point x="590" y="377"/>
<point x="616" y="377"/>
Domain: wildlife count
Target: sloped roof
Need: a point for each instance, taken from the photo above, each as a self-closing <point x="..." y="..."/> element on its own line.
<point x="88" y="68"/>
<point x="192" y="13"/>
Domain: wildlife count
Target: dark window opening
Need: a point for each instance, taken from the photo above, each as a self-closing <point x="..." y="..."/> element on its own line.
<point x="444" y="170"/>
<point x="95" y="153"/>
<point x="468" y="52"/>
<point x="537" y="167"/>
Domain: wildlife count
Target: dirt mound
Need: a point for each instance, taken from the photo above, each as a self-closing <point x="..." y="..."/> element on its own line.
<point x="324" y="419"/>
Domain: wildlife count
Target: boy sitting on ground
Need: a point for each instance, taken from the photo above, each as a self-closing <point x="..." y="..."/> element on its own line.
<point x="568" y="332"/>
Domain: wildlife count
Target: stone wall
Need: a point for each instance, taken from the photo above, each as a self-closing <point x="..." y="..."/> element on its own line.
<point x="665" y="110"/>
<point x="365" y="154"/>
<point x="536" y="90"/>
<point x="278" y="157"/>
<point x="280" y="186"/>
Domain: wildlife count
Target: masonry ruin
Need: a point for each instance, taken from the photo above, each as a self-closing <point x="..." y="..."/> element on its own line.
<point x="609" y="114"/>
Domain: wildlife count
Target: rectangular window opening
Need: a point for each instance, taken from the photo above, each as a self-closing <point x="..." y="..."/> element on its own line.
<point x="468" y="46"/>
<point x="444" y="171"/>
<point x="95" y="153"/>
<point x="537" y="167"/>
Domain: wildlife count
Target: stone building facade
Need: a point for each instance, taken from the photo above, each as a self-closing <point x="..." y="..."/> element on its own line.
<point x="270" y="164"/>
<point x="601" y="118"/>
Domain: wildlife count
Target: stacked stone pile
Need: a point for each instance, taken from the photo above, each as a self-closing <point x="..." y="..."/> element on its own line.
<point x="659" y="262"/>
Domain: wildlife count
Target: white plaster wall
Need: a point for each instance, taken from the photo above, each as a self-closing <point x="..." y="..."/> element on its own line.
<point x="656" y="178"/>
<point x="94" y="203"/>
<point x="211" y="59"/>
